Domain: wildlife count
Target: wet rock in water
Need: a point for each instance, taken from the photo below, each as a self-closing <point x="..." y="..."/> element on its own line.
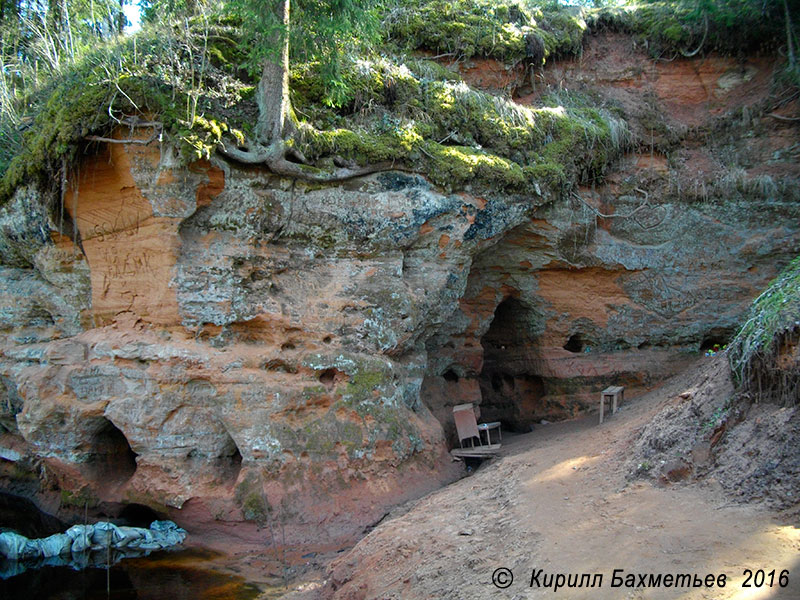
<point x="100" y="536"/>
<point x="55" y="545"/>
<point x="14" y="546"/>
<point x="81" y="536"/>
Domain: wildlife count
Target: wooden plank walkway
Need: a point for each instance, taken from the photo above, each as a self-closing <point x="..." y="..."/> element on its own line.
<point x="477" y="452"/>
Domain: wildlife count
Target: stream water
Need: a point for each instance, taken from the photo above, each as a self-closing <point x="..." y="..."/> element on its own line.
<point x="166" y="575"/>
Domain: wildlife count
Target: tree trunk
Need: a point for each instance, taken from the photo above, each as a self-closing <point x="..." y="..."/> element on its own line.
<point x="789" y="36"/>
<point x="121" y="20"/>
<point x="274" y="106"/>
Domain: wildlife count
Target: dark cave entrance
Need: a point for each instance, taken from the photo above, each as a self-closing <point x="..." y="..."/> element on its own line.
<point x="511" y="388"/>
<point x="111" y="458"/>
<point x="231" y="462"/>
<point x="139" y="515"/>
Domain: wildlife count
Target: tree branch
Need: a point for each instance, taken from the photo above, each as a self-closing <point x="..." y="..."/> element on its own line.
<point x="702" y="42"/>
<point x="782" y="118"/>
<point x="139" y="141"/>
<point x="134" y="121"/>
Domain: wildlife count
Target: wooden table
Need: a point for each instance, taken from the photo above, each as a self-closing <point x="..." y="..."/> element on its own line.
<point x="487" y="427"/>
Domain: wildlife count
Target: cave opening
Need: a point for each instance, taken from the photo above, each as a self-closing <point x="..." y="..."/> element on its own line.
<point x="138" y="515"/>
<point x="234" y="465"/>
<point x="451" y="376"/>
<point x="111" y="457"/>
<point x="574" y="344"/>
<point x="511" y="387"/>
<point x="710" y="341"/>
<point x="230" y="461"/>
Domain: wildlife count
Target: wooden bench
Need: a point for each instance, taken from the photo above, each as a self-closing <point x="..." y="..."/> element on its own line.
<point x="614" y="395"/>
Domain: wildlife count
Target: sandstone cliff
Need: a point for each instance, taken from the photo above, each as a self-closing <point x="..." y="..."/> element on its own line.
<point x="224" y="345"/>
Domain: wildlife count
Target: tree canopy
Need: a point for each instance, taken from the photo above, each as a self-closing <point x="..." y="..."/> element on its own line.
<point x="205" y="69"/>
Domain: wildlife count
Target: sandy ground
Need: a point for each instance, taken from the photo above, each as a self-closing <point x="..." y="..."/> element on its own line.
<point x="558" y="500"/>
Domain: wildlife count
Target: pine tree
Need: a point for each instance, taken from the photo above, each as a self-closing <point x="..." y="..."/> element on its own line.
<point x="326" y="21"/>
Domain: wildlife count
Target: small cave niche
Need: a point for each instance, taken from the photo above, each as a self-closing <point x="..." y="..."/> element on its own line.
<point x="138" y="515"/>
<point x="575" y="343"/>
<point x="111" y="457"/>
<point x="710" y="341"/>
<point x="229" y="463"/>
<point x="23" y="516"/>
<point x="328" y="377"/>
<point x="450" y="376"/>
<point x="233" y="465"/>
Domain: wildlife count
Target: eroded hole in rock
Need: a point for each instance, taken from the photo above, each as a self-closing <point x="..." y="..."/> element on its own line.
<point x="328" y="377"/>
<point x="111" y="457"/>
<point x="451" y="376"/>
<point x="276" y="364"/>
<point x="236" y="462"/>
<point x="138" y="515"/>
<point x="229" y="462"/>
<point x="288" y="346"/>
<point x="709" y="342"/>
<point x="233" y="464"/>
<point x="24" y="517"/>
<point x="574" y="343"/>
<point x="511" y="388"/>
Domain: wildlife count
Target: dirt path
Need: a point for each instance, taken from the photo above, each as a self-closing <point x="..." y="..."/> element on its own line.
<point x="559" y="501"/>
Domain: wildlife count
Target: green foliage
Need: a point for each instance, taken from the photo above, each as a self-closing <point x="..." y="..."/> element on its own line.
<point x="457" y="135"/>
<point x="736" y="27"/>
<point x="508" y="30"/>
<point x="774" y="319"/>
<point x="327" y="32"/>
<point x="161" y="72"/>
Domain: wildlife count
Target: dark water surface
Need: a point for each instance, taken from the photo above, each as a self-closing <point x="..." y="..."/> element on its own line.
<point x="167" y="575"/>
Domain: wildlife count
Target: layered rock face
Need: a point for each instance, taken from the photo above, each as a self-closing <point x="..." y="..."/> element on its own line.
<point x="624" y="280"/>
<point x="220" y="344"/>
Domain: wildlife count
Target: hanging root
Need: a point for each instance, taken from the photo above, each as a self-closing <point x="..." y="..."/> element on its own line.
<point x="273" y="157"/>
<point x="687" y="54"/>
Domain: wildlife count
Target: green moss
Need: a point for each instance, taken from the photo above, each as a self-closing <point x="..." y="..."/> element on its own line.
<point x="670" y="27"/>
<point x="362" y="385"/>
<point x="200" y="138"/>
<point x="249" y="495"/>
<point x="321" y="436"/>
<point x="150" y="74"/>
<point x="453" y="167"/>
<point x="81" y="499"/>
<point x="418" y="115"/>
<point x="506" y="30"/>
<point x="462" y="138"/>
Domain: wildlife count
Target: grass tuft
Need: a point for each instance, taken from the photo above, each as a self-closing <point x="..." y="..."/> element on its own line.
<point x="764" y="355"/>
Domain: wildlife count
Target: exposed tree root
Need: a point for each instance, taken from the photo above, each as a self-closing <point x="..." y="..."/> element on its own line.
<point x="688" y="54"/>
<point x="273" y="157"/>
